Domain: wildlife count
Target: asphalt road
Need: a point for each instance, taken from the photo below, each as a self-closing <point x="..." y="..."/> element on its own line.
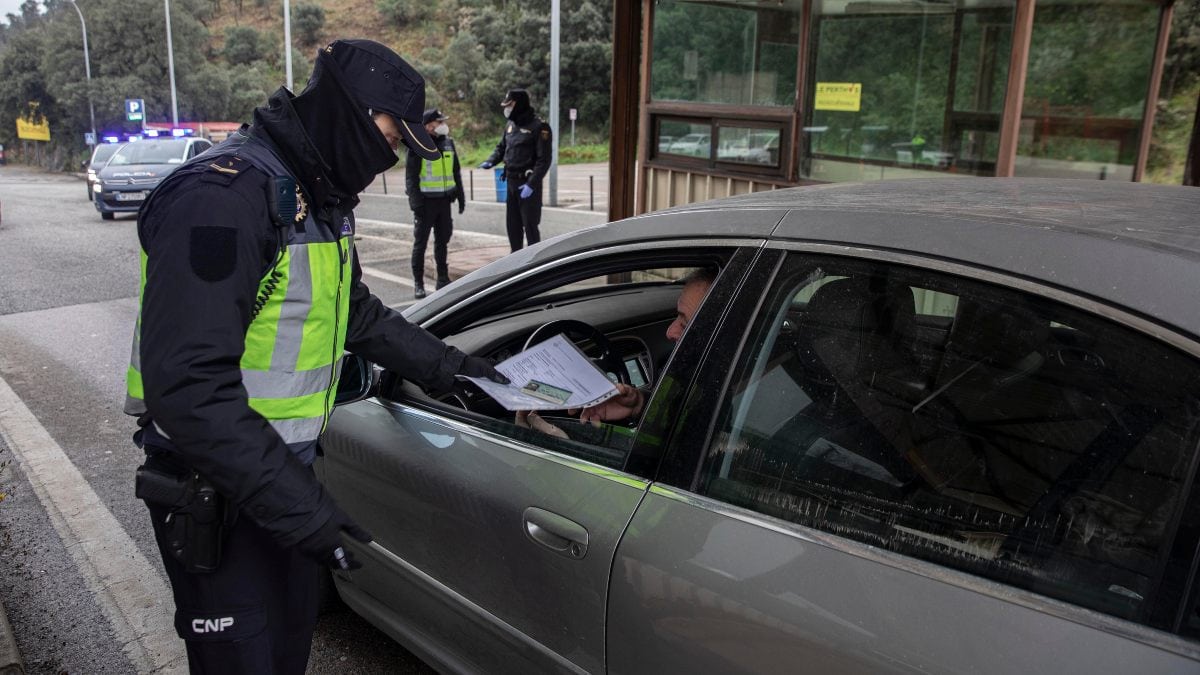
<point x="80" y="576"/>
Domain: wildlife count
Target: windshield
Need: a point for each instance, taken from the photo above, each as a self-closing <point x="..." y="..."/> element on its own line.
<point x="167" y="151"/>
<point x="103" y="152"/>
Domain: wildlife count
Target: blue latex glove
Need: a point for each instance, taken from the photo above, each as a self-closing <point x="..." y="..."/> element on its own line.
<point x="485" y="165"/>
<point x="526" y="191"/>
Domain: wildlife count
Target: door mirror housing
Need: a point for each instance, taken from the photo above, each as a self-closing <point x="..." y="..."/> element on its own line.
<point x="359" y="380"/>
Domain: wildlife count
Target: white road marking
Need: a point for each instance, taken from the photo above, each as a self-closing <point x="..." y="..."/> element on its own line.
<point x="387" y="276"/>
<point x="133" y="597"/>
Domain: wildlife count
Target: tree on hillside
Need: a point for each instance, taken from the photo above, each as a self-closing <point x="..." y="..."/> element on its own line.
<point x="243" y="45"/>
<point x="501" y="45"/>
<point x="308" y="20"/>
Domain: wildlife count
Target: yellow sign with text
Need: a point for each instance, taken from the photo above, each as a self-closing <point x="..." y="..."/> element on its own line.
<point x="33" y="131"/>
<point x="843" y="96"/>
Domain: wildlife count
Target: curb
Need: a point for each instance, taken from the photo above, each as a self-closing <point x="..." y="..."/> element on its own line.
<point x="10" y="658"/>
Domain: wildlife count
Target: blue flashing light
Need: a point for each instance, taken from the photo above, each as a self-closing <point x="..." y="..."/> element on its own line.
<point x="112" y="139"/>
<point x="152" y="133"/>
<point x="133" y="138"/>
<point x="180" y="132"/>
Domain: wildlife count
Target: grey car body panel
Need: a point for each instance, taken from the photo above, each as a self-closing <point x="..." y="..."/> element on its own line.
<point x="448" y="500"/>
<point x="697" y="591"/>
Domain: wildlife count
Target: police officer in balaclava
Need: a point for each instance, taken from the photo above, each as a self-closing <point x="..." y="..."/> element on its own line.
<point x="525" y="149"/>
<point x="251" y="292"/>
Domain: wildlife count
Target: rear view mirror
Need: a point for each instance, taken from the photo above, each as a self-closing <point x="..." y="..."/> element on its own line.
<point x="359" y="380"/>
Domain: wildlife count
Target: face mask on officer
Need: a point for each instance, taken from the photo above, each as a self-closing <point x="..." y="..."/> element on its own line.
<point x="441" y="130"/>
<point x="508" y="110"/>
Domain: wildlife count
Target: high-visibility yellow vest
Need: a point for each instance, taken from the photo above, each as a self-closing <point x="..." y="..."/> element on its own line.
<point x="437" y="176"/>
<point x="295" y="342"/>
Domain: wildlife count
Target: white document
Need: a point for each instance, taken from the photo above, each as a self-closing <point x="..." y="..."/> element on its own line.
<point x="551" y="375"/>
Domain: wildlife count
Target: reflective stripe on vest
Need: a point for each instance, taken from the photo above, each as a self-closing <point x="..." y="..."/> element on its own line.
<point x="294" y="345"/>
<point x="437" y="176"/>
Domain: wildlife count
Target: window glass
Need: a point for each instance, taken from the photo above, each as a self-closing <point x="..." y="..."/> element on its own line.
<point x="749" y="145"/>
<point x="633" y="308"/>
<point x="967" y="425"/>
<point x="1085" y="92"/>
<point x="721" y="53"/>
<point x="689" y="139"/>
<point x="900" y="87"/>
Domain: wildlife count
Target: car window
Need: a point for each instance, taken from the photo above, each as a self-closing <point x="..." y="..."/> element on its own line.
<point x="103" y="152"/>
<point x="165" y="151"/>
<point x="631" y="305"/>
<point x="976" y="427"/>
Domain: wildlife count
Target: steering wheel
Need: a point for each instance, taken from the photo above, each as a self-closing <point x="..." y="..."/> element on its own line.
<point x="575" y="331"/>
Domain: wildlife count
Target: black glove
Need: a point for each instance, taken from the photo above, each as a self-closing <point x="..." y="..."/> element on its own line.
<point x="416" y="207"/>
<point x="476" y="366"/>
<point x="462" y="205"/>
<point x="486" y="165"/>
<point x="325" y="545"/>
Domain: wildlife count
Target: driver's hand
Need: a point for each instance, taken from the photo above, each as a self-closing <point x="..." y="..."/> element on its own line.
<point x="531" y="420"/>
<point x="626" y="404"/>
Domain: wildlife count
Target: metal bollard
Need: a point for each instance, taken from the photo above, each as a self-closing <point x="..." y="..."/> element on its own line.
<point x="472" y="172"/>
<point x="384" y="174"/>
<point x="591" y="193"/>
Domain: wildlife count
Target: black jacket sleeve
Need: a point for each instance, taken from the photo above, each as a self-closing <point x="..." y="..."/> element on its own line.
<point x="412" y="181"/>
<point x="381" y="335"/>
<point x="497" y="155"/>
<point x="458" y="182"/>
<point x="541" y="165"/>
<point x="207" y="246"/>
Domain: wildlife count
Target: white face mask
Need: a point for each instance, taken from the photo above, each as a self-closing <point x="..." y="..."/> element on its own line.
<point x="507" y="111"/>
<point x="442" y="130"/>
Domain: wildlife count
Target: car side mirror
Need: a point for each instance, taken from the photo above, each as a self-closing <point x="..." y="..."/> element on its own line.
<point x="359" y="380"/>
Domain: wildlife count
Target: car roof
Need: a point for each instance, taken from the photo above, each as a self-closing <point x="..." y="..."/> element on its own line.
<point x="1133" y="245"/>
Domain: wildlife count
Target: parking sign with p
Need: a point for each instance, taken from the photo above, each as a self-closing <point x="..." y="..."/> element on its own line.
<point x="135" y="109"/>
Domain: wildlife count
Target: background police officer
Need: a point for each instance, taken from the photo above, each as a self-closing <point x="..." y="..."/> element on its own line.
<point x="432" y="184"/>
<point x="251" y="290"/>
<point x="526" y="153"/>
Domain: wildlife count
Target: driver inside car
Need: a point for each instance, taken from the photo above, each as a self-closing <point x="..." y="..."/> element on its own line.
<point x="627" y="405"/>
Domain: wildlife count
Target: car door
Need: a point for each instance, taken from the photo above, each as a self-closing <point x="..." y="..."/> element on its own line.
<point x="1015" y="494"/>
<point x="492" y="548"/>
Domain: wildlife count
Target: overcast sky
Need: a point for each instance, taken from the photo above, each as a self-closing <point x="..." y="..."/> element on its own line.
<point x="13" y="7"/>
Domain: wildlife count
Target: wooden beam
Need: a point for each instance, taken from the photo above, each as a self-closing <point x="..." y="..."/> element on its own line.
<point x="623" y="133"/>
<point x="1156" y="70"/>
<point x="645" y="129"/>
<point x="1014" y="96"/>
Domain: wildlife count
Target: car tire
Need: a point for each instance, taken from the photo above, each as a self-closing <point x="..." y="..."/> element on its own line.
<point x="107" y="215"/>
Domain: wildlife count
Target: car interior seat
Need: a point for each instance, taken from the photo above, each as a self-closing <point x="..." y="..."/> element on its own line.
<point x="854" y="341"/>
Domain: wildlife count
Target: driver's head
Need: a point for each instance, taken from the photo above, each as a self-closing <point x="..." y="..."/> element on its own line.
<point x="695" y="286"/>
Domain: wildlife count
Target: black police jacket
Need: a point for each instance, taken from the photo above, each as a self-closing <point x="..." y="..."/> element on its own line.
<point x="209" y="236"/>
<point x="525" y="146"/>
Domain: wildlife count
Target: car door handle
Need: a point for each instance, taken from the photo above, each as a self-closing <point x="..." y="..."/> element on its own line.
<point x="561" y="535"/>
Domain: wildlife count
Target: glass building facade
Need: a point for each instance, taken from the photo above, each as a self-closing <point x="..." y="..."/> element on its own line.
<point x="747" y="96"/>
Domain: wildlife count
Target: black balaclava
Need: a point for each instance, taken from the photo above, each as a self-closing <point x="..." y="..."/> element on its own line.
<point x="350" y="143"/>
<point x="521" y="108"/>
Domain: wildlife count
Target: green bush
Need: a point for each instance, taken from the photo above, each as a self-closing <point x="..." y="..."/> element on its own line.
<point x="403" y="12"/>
<point x="243" y="46"/>
<point x="308" y="21"/>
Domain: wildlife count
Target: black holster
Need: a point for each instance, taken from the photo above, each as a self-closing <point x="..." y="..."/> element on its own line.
<point x="195" y="524"/>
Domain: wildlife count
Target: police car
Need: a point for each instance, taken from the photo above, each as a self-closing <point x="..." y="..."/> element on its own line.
<point x="138" y="166"/>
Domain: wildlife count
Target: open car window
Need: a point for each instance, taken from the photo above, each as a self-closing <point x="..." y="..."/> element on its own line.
<point x="979" y="428"/>
<point x="630" y="301"/>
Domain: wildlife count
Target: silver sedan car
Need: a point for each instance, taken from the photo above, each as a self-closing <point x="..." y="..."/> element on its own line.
<point x="940" y="426"/>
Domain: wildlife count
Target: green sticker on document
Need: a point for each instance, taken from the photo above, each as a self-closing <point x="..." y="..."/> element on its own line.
<point x="546" y="392"/>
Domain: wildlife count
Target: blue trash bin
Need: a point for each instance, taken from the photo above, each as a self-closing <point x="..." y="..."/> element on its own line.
<point x="501" y="186"/>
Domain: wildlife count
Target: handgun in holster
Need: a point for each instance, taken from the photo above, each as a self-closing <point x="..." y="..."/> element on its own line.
<point x="196" y="520"/>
